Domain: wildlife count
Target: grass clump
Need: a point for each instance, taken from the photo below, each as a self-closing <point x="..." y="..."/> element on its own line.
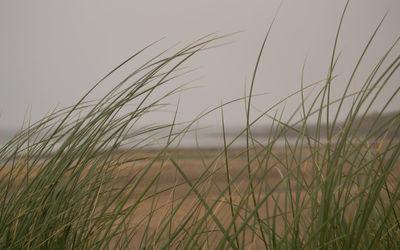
<point x="82" y="178"/>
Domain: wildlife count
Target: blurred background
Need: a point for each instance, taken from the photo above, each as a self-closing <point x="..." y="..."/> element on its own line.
<point x="52" y="52"/>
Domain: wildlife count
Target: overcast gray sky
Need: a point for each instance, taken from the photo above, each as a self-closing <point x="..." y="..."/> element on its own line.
<point x="52" y="52"/>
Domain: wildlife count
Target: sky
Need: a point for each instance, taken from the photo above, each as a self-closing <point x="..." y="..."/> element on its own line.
<point x="52" y="52"/>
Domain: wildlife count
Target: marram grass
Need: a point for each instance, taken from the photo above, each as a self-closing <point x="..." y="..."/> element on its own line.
<point x="81" y="178"/>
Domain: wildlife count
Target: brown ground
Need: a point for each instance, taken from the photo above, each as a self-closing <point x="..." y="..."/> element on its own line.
<point x="199" y="166"/>
<point x="194" y="166"/>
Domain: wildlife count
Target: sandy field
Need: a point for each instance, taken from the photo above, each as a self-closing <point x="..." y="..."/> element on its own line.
<point x="201" y="181"/>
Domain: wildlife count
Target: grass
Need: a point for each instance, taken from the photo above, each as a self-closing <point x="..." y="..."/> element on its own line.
<point x="81" y="177"/>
